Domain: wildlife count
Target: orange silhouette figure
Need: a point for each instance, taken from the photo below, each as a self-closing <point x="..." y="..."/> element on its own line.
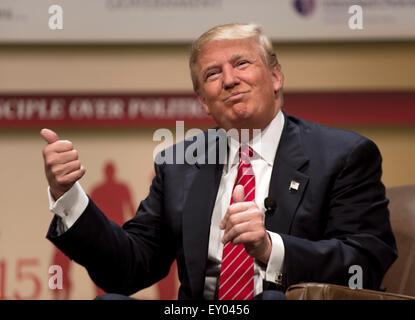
<point x="113" y="198"/>
<point x="166" y="287"/>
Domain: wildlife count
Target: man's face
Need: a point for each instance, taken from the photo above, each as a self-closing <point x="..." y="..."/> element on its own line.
<point x="235" y="86"/>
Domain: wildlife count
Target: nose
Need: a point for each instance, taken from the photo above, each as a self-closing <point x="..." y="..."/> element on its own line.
<point x="230" y="78"/>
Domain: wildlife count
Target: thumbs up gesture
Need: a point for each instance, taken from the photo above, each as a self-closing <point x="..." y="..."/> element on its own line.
<point x="62" y="166"/>
<point x="244" y="223"/>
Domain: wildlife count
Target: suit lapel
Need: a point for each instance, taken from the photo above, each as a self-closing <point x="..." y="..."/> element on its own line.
<point x="288" y="182"/>
<point x="204" y="181"/>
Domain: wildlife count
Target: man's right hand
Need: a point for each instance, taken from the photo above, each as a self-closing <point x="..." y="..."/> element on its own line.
<point x="62" y="166"/>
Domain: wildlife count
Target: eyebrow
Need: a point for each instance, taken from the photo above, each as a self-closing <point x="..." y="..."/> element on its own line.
<point x="234" y="57"/>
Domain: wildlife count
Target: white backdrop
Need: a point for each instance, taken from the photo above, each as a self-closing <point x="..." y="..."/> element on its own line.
<point x="130" y="21"/>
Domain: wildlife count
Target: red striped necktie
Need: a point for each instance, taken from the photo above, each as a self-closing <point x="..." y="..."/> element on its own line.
<point x="236" y="280"/>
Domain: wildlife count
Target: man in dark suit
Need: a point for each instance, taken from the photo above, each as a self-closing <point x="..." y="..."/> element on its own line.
<point x="305" y="203"/>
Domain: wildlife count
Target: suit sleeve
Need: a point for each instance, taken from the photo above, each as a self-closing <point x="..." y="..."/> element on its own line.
<point x="121" y="259"/>
<point x="356" y="232"/>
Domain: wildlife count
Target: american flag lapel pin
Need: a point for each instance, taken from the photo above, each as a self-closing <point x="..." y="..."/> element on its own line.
<point x="294" y="185"/>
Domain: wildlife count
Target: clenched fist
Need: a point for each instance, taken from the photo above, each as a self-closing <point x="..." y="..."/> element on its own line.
<point x="62" y="166"/>
<point x="244" y="223"/>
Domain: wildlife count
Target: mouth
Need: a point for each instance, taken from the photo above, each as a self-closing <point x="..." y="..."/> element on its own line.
<point x="235" y="96"/>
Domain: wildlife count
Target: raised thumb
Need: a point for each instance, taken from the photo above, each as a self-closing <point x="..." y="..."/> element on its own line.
<point x="238" y="194"/>
<point x="49" y="135"/>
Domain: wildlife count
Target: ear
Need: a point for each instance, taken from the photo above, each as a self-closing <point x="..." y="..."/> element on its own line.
<point x="202" y="101"/>
<point x="277" y="78"/>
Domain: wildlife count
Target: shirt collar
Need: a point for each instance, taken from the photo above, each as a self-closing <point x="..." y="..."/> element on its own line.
<point x="264" y="144"/>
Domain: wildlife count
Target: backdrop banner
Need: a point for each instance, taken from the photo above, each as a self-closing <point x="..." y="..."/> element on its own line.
<point x="149" y="110"/>
<point x="133" y="21"/>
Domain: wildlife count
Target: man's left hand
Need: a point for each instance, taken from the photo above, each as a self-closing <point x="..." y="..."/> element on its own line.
<point x="244" y="224"/>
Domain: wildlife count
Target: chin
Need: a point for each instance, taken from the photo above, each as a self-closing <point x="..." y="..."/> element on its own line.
<point x="240" y="112"/>
<point x="240" y="108"/>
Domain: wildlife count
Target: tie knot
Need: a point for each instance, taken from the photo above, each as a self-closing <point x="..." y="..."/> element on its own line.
<point x="245" y="153"/>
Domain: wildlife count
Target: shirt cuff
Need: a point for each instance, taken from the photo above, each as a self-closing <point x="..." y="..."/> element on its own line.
<point x="70" y="205"/>
<point x="276" y="259"/>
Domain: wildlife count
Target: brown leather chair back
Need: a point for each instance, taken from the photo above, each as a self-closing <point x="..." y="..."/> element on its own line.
<point x="400" y="278"/>
<point x="325" y="291"/>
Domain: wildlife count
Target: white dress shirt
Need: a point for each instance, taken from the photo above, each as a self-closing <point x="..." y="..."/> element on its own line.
<point x="262" y="163"/>
<point x="69" y="208"/>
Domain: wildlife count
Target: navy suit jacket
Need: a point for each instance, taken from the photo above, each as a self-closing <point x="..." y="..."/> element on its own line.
<point x="337" y="217"/>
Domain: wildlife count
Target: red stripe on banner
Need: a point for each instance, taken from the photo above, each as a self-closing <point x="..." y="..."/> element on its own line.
<point x="93" y="110"/>
<point x="362" y="108"/>
<point x="122" y="110"/>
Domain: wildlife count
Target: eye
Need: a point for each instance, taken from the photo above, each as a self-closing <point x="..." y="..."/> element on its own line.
<point x="242" y="63"/>
<point x="211" y="74"/>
